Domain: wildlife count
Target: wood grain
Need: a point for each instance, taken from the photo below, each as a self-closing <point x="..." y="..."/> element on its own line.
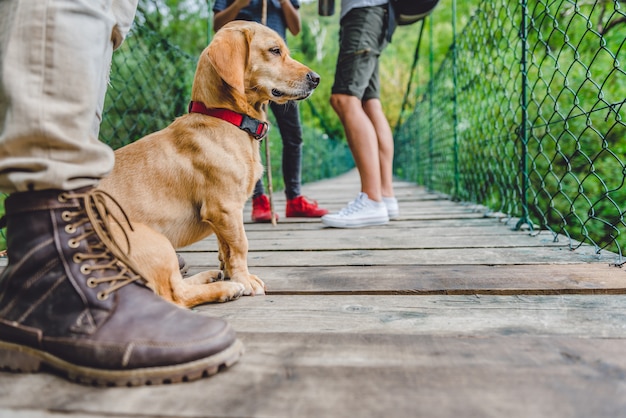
<point x="445" y="312"/>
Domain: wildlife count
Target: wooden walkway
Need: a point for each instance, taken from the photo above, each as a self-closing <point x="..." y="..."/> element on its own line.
<point x="442" y="313"/>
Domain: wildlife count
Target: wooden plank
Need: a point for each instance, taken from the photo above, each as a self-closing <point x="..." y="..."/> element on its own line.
<point x="404" y="215"/>
<point x="399" y="356"/>
<point x="312" y="375"/>
<point x="304" y="375"/>
<point x="417" y="232"/>
<point x="350" y="240"/>
<point x="304" y="224"/>
<point x="531" y="279"/>
<point x="35" y="413"/>
<point x="591" y="316"/>
<point x="411" y="257"/>
<point x="414" y="232"/>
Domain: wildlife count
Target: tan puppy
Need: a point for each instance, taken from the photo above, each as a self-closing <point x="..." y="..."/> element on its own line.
<point x="193" y="178"/>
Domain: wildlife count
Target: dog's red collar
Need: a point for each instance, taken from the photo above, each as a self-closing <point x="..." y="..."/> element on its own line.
<point x="256" y="128"/>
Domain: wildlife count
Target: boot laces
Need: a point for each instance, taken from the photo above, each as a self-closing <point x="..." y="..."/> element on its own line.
<point x="106" y="253"/>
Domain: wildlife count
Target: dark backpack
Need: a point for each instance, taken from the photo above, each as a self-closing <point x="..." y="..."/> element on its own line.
<point x="411" y="11"/>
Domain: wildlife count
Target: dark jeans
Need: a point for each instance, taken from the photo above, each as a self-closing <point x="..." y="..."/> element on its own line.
<point x="288" y="120"/>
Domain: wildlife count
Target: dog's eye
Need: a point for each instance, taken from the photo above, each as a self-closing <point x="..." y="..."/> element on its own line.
<point x="275" y="51"/>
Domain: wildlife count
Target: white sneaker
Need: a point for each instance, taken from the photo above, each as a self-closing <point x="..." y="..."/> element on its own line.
<point x="360" y="212"/>
<point x="392" y="207"/>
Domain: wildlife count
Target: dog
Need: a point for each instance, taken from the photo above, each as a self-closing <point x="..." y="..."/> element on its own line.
<point x="193" y="178"/>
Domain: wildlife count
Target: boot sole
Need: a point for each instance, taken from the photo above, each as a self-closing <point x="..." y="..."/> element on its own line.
<point x="19" y="358"/>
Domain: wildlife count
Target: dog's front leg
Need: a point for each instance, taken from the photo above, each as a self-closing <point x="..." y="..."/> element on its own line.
<point x="233" y="248"/>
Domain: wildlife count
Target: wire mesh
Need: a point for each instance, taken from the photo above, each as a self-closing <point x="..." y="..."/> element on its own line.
<point x="147" y="90"/>
<point x="538" y="89"/>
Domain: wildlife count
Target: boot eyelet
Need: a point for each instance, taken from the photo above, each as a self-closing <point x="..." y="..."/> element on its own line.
<point x="85" y="269"/>
<point x="102" y="296"/>
<point x="70" y="229"/>
<point x="78" y="258"/>
<point x="62" y="197"/>
<point x="91" y="282"/>
<point x="66" y="216"/>
<point x="73" y="243"/>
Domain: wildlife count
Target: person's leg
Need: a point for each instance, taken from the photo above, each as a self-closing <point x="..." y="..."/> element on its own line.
<point x="361" y="41"/>
<point x="259" y="190"/>
<point x="363" y="142"/>
<point x="69" y="294"/>
<point x="288" y="119"/>
<point x="53" y="68"/>
<point x="374" y="110"/>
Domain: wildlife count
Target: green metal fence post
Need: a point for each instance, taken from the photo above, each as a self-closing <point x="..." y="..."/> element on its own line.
<point x="523" y="129"/>
<point x="455" y="102"/>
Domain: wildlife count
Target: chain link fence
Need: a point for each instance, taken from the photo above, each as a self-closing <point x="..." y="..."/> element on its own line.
<point x="526" y="116"/>
<point x="150" y="85"/>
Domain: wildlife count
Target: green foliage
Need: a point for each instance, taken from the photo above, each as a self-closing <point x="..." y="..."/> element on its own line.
<point x="307" y="43"/>
<point x="184" y="23"/>
<point x="541" y="138"/>
<point x="317" y="46"/>
<point x="147" y="90"/>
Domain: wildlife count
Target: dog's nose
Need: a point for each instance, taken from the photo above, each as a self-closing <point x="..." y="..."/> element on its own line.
<point x="313" y="78"/>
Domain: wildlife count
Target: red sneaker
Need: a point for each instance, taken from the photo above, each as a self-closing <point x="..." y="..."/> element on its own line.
<point x="299" y="207"/>
<point x="261" y="211"/>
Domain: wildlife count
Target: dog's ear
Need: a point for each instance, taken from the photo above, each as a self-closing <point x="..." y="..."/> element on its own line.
<point x="229" y="53"/>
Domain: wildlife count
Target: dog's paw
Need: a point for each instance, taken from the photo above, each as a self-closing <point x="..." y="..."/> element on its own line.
<point x="230" y="291"/>
<point x="216" y="276"/>
<point x="254" y="286"/>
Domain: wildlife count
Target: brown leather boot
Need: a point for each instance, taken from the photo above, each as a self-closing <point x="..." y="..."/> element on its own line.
<point x="70" y="301"/>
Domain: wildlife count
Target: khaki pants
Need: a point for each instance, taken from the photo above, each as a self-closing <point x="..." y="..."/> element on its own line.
<point x="55" y="57"/>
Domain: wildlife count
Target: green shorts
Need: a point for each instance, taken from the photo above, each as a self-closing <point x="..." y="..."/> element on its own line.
<point x="362" y="39"/>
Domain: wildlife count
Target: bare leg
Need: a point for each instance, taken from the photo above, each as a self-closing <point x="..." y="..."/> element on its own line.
<point x="363" y="142"/>
<point x="374" y="110"/>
